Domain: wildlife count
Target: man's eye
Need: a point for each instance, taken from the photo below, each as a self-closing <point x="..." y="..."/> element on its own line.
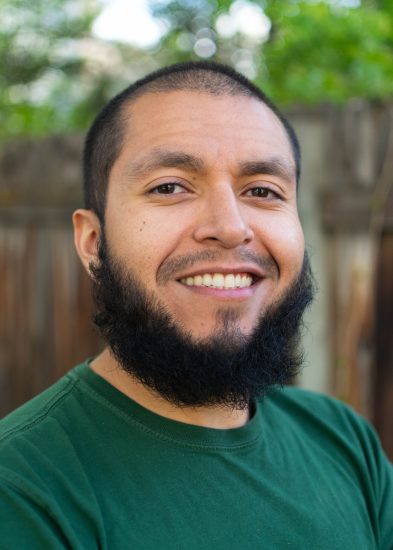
<point x="168" y="189"/>
<point x="263" y="193"/>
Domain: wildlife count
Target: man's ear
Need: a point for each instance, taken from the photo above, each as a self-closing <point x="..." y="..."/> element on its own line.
<point x="87" y="230"/>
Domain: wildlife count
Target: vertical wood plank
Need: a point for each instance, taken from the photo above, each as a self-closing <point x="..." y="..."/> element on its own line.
<point x="383" y="407"/>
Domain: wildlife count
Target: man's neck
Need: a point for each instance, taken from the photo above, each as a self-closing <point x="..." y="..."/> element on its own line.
<point x="106" y="366"/>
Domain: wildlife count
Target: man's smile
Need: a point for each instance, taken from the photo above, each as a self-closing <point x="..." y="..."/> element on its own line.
<point x="227" y="284"/>
<point x="219" y="280"/>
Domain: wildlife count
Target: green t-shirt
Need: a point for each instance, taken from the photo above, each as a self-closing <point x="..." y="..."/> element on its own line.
<point x="82" y="466"/>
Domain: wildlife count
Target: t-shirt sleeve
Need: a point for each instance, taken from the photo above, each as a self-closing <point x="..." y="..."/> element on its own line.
<point x="384" y="482"/>
<point x="26" y="520"/>
<point x="380" y="478"/>
<point x="386" y="511"/>
<point x="356" y="443"/>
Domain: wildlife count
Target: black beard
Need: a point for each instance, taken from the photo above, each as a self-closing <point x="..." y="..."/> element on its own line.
<point x="229" y="369"/>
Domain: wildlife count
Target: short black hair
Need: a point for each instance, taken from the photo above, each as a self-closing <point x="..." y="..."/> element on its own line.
<point x="104" y="140"/>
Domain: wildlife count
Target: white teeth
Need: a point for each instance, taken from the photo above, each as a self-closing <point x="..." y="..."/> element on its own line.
<point x="219" y="280"/>
<point x="246" y="280"/>
<point x="229" y="281"/>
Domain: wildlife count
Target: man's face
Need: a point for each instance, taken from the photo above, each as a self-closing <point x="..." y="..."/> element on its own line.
<point x="201" y="207"/>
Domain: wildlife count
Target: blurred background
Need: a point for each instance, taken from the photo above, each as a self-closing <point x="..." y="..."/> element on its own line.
<point x="328" y="64"/>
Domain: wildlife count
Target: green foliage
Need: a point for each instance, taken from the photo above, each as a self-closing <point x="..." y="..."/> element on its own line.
<point x="316" y="51"/>
<point x="44" y="77"/>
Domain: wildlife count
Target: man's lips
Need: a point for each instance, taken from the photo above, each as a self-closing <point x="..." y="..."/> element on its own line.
<point x="243" y="262"/>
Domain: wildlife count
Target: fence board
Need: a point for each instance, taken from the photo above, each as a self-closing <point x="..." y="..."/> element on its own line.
<point x="45" y="325"/>
<point x="383" y="409"/>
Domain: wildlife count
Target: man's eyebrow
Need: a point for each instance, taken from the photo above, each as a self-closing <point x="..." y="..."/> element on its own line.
<point x="274" y="166"/>
<point x="163" y="158"/>
<point x="166" y="158"/>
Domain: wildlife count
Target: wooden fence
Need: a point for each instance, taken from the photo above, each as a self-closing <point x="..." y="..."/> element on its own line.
<point x="45" y="300"/>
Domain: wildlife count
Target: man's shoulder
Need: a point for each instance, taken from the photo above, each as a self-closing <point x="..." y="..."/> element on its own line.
<point x="36" y="413"/>
<point x="38" y="440"/>
<point x="304" y="402"/>
<point x="323" y="419"/>
<point x="42" y="465"/>
<point x="310" y="401"/>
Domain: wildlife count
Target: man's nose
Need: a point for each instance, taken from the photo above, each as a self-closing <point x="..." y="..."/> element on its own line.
<point x="222" y="218"/>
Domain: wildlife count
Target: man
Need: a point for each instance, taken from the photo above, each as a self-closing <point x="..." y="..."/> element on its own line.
<point x="180" y="435"/>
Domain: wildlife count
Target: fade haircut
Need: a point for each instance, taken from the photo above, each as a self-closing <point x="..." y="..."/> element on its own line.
<point x="105" y="138"/>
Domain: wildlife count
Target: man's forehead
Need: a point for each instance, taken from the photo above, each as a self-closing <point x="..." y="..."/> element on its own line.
<point x="160" y="115"/>
<point x="200" y="103"/>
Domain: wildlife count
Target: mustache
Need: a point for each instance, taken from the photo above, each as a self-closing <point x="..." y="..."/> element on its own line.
<point x="171" y="266"/>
